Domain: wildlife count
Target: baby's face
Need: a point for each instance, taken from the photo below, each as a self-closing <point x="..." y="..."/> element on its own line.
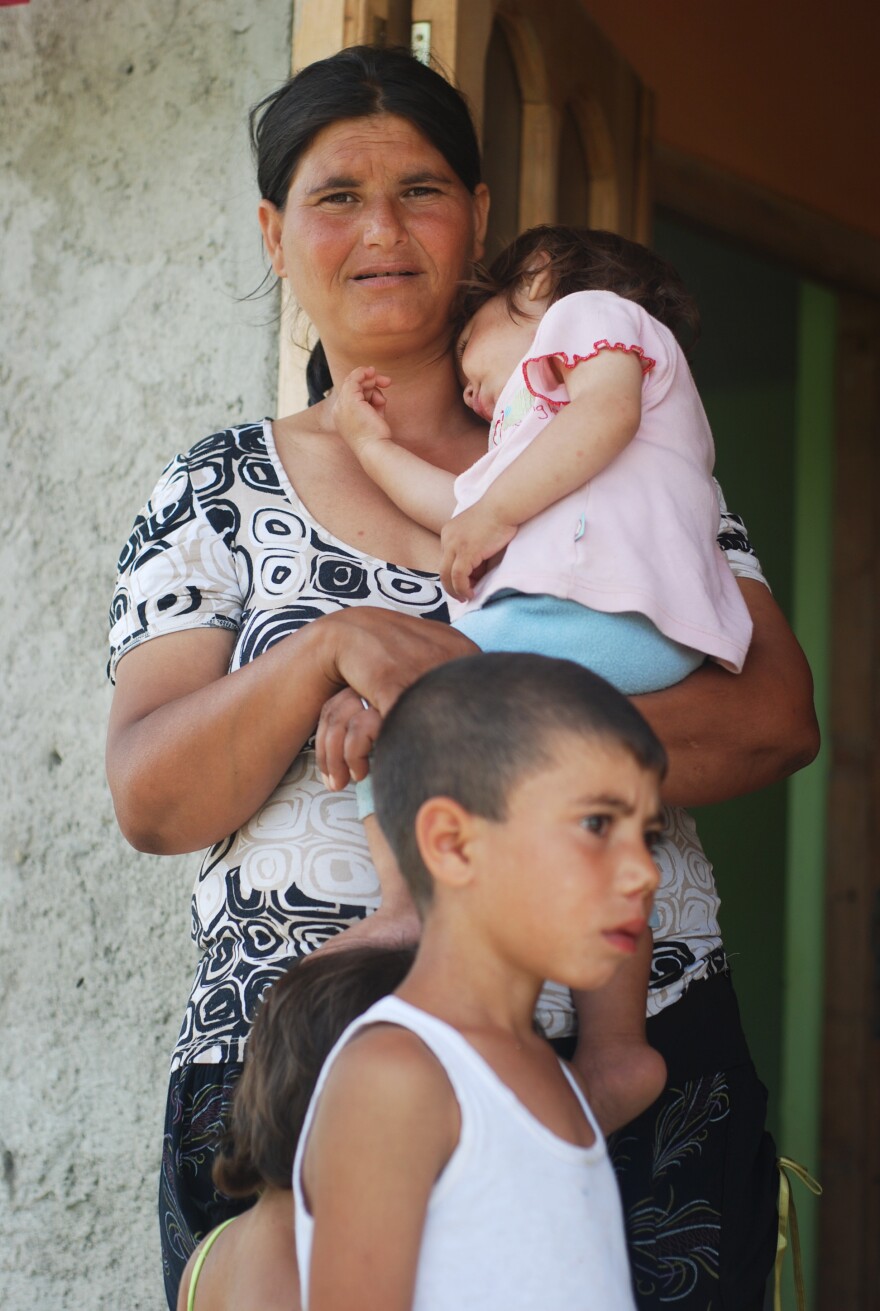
<point x="490" y="347"/>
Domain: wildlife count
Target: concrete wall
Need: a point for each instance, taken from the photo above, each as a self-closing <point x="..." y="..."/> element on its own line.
<point x="127" y="230"/>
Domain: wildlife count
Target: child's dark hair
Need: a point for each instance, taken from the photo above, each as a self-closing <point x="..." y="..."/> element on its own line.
<point x="300" y="1018"/>
<point x="474" y="728"/>
<point x="590" y="259"/>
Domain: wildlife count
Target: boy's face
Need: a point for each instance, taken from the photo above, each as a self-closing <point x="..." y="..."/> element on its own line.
<point x="569" y="879"/>
<point x="490" y="347"/>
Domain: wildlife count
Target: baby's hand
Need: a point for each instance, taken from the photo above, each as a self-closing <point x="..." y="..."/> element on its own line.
<point x="466" y="543"/>
<point x="359" y="409"/>
<point x="347" y="730"/>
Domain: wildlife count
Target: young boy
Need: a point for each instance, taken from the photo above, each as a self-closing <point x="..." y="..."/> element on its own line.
<point x="449" y="1159"/>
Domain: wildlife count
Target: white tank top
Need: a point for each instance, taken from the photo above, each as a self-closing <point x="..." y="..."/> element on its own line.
<point x="520" y="1219"/>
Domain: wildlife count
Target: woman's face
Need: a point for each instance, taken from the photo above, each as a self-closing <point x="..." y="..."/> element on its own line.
<point x="377" y="231"/>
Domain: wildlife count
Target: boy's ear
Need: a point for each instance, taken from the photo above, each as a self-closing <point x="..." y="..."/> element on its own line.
<point x="444" y="833"/>
<point x="540" y="281"/>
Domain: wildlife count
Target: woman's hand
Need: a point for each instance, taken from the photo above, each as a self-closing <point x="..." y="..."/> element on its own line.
<point x="379" y="653"/>
<point x="193" y="751"/>
<point x="728" y="734"/>
<point x="384" y="657"/>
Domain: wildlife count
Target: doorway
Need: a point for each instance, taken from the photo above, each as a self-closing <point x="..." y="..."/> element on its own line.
<point x="765" y="369"/>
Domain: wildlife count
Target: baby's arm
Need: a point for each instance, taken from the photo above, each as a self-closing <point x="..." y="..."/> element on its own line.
<point x="387" y="1123"/>
<point x="419" y="489"/>
<point x="602" y="417"/>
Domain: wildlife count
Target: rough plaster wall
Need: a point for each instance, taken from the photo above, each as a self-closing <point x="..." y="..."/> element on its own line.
<point x="127" y="229"/>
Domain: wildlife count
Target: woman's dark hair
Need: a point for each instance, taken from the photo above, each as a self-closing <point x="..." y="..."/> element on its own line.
<point x="590" y="259"/>
<point x="357" y="83"/>
<point x="318" y="378"/>
<point x="301" y="1016"/>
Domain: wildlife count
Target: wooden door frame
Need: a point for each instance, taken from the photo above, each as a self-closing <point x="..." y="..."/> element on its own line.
<point x="848" y="262"/>
<point x="460" y="39"/>
<point x="849" y="1266"/>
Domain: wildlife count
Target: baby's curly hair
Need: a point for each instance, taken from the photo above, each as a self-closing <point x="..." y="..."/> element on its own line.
<point x="587" y="259"/>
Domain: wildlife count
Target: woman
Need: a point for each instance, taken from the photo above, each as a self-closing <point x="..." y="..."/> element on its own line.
<point x="268" y="540"/>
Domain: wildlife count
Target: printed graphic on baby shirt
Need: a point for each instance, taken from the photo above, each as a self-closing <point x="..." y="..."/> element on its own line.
<point x="510" y="415"/>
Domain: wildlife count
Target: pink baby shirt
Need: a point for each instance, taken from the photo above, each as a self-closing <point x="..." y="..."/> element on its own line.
<point x="640" y="536"/>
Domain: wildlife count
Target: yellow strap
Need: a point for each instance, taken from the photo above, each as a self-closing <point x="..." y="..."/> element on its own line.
<point x="207" y="1244"/>
<point x="788" y="1224"/>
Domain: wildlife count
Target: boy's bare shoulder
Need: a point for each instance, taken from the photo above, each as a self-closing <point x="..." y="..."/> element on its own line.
<point x="388" y="1057"/>
<point x="387" y="1111"/>
<point x="385" y="1074"/>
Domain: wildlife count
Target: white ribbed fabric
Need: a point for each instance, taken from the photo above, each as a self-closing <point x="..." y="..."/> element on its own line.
<point x="520" y="1220"/>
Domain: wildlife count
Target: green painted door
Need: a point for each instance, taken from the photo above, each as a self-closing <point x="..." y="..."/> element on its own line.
<point x="764" y="366"/>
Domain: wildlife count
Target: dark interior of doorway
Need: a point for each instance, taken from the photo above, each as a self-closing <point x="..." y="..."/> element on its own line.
<point x="746" y="366"/>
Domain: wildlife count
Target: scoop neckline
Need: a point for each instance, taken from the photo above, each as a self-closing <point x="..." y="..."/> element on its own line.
<point x="300" y="506"/>
<point x="518" y="1107"/>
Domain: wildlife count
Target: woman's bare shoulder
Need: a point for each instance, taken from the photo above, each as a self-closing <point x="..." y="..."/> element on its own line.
<point x="304" y="425"/>
<point x="387" y="1075"/>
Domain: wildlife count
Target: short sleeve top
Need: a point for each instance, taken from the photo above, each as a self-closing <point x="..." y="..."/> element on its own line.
<point x="224" y="541"/>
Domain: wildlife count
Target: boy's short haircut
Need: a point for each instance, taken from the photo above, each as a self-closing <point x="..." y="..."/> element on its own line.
<point x="474" y="728"/>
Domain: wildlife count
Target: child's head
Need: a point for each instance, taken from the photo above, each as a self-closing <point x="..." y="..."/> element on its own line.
<point x="475" y="729"/>
<point x="501" y="308"/>
<point x="589" y="259"/>
<point x="301" y="1016"/>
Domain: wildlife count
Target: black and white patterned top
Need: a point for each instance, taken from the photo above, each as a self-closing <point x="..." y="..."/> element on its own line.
<point x="224" y="541"/>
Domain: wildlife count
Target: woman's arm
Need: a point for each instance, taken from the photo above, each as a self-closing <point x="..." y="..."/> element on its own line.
<point x="194" y="751"/>
<point x="600" y="420"/>
<point x="386" y="1125"/>
<point x="728" y="734"/>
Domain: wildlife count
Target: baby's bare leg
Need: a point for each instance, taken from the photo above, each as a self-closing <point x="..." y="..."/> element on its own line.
<point x="622" y="1073"/>
<point x="396" y="923"/>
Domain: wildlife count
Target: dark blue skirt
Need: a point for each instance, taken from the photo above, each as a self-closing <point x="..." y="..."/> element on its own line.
<point x="697" y="1171"/>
